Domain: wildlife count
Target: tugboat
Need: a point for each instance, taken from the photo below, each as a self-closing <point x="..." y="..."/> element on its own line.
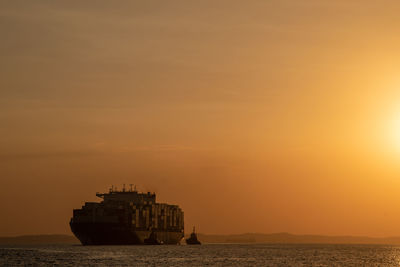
<point x="192" y="240"/>
<point x="152" y="240"/>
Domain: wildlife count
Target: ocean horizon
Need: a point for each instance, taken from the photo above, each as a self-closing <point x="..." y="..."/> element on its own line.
<point x="246" y="238"/>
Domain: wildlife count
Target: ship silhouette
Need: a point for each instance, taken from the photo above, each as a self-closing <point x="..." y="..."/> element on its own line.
<point x="192" y="240"/>
<point x="128" y="217"/>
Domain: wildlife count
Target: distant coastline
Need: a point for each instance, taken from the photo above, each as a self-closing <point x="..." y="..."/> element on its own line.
<point x="287" y="238"/>
<point x="277" y="238"/>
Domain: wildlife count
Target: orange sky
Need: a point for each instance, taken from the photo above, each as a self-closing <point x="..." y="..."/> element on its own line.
<point x="264" y="116"/>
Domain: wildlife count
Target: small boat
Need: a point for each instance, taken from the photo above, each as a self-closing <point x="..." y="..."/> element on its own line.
<point x="152" y="240"/>
<point x="192" y="240"/>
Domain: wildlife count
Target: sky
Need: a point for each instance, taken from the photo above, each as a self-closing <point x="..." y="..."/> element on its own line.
<point x="256" y="116"/>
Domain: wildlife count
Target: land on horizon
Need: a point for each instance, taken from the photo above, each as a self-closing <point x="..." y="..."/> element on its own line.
<point x="247" y="238"/>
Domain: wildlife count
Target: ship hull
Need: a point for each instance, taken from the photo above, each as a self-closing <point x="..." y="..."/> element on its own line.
<point x="116" y="234"/>
<point x="192" y="242"/>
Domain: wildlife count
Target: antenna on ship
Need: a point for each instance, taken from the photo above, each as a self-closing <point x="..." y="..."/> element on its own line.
<point x="135" y="189"/>
<point x="130" y="187"/>
<point x="123" y="188"/>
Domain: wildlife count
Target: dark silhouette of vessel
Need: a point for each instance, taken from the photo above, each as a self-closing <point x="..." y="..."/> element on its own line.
<point x="128" y="217"/>
<point x="152" y="240"/>
<point x="192" y="240"/>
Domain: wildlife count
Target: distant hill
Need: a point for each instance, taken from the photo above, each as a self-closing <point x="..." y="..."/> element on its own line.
<point x="286" y="238"/>
<point x="278" y="238"/>
<point x="38" y="239"/>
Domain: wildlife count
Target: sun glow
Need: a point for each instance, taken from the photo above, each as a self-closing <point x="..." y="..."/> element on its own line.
<point x="393" y="133"/>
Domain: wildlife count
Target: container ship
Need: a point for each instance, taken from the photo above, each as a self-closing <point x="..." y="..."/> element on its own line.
<point x="127" y="217"/>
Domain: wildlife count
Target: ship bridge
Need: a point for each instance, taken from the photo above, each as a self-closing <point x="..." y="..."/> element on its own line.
<point x="128" y="196"/>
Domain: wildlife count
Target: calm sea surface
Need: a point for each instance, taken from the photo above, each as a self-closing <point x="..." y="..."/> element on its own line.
<point x="204" y="255"/>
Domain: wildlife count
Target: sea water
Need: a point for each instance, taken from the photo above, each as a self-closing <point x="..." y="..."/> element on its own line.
<point x="203" y="255"/>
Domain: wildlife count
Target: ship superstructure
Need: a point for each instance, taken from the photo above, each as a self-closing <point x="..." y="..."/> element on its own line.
<point x="127" y="217"/>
